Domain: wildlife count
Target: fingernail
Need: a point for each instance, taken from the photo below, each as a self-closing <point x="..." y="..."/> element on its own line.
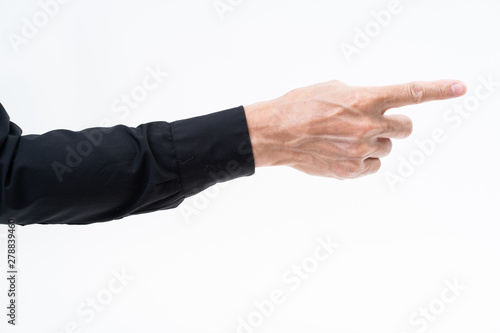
<point x="459" y="88"/>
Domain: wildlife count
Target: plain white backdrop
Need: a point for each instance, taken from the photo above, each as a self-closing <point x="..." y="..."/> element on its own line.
<point x="418" y="253"/>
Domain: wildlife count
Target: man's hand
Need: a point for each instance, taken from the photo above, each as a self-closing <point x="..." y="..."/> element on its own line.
<point x="335" y="130"/>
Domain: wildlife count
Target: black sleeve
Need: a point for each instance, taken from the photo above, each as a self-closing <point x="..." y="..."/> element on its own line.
<point x="106" y="173"/>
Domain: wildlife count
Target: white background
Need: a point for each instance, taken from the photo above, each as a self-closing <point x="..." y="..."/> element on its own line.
<point x="201" y="267"/>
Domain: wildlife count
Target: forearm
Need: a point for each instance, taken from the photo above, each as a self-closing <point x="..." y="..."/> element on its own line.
<point x="102" y="174"/>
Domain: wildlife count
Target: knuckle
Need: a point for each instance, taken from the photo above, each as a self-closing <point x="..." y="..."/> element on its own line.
<point x="344" y="170"/>
<point x="359" y="164"/>
<point x="360" y="150"/>
<point x="340" y="172"/>
<point x="357" y="96"/>
<point x="357" y="99"/>
<point x="337" y="83"/>
<point x="291" y="94"/>
<point x="358" y="168"/>
<point x="353" y="168"/>
<point x="442" y="91"/>
<point x="416" y="92"/>
<point x="365" y="128"/>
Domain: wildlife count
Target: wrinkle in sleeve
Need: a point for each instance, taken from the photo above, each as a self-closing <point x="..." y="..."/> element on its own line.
<point x="101" y="174"/>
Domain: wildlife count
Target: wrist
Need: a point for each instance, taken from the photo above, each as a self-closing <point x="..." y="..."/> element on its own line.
<point x="264" y="122"/>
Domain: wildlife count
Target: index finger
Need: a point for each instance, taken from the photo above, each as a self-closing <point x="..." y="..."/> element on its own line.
<point x="394" y="96"/>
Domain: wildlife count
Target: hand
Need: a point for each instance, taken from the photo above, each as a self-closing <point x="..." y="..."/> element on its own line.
<point x="335" y="130"/>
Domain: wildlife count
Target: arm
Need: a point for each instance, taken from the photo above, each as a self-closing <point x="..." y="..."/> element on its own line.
<point x="101" y="174"/>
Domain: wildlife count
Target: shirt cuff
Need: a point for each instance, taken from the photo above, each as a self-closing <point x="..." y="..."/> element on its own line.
<point x="212" y="148"/>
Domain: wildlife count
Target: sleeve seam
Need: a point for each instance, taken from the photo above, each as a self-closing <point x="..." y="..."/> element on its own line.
<point x="177" y="161"/>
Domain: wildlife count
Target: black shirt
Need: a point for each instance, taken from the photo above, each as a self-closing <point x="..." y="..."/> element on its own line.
<point x="106" y="173"/>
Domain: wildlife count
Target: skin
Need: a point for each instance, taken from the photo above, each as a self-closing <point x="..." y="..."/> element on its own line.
<point x="334" y="130"/>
